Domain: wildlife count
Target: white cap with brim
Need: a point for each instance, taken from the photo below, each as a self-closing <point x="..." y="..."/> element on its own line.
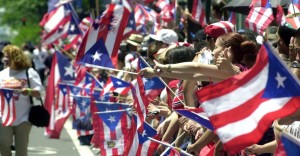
<point x="167" y="36"/>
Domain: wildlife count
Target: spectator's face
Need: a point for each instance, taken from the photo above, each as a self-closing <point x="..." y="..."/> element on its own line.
<point x="153" y="47"/>
<point x="218" y="50"/>
<point x="282" y="48"/>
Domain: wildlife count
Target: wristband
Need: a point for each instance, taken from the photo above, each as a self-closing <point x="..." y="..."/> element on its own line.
<point x="295" y="64"/>
<point x="29" y="91"/>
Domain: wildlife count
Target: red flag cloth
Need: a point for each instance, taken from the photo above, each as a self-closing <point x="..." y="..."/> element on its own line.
<point x="107" y="30"/>
<point x="198" y="12"/>
<point x="243" y="107"/>
<point x="280" y="17"/>
<point x="7" y="105"/>
<point x="259" y="18"/>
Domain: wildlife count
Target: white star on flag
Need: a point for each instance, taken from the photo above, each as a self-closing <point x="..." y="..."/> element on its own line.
<point x="72" y="27"/>
<point x="111" y="119"/>
<point x="69" y="71"/>
<point x="144" y="133"/>
<point x="119" y="83"/>
<point x="83" y="103"/>
<point x="280" y="79"/>
<point x="64" y="89"/>
<point x="97" y="56"/>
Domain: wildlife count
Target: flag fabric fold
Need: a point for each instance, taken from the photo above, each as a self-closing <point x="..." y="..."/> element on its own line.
<point x="7" y="107"/>
<point x="269" y="91"/>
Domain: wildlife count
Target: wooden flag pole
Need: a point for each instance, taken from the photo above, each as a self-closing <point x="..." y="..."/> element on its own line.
<point x="163" y="81"/>
<point x="168" y="145"/>
<point x="110" y="69"/>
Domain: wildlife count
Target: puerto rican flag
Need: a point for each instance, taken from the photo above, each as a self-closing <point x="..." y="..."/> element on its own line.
<point x="141" y="145"/>
<point x="61" y="71"/>
<point x="144" y="15"/>
<point x="152" y="86"/>
<point x="101" y="106"/>
<point x="131" y="27"/>
<point x="114" y="84"/>
<point x="280" y="16"/>
<point x="82" y="113"/>
<point x="198" y="13"/>
<point x="110" y="106"/>
<point x="197" y="115"/>
<point x="88" y="82"/>
<point x="60" y="31"/>
<point x="101" y="42"/>
<point x="232" y="18"/>
<point x="294" y="7"/>
<point x="114" y="132"/>
<point x="52" y="19"/>
<point x="243" y="107"/>
<point x="7" y="107"/>
<point x="259" y="18"/>
<point x="289" y="145"/>
<point x="162" y="4"/>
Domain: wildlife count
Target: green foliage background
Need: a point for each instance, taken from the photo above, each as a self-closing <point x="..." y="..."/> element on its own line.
<point x="33" y="11"/>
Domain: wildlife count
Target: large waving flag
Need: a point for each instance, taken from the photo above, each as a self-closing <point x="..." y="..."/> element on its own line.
<point x="269" y="91"/>
<point x="61" y="71"/>
<point x="7" y="107"/>
<point x="198" y="13"/>
<point x="101" y="42"/>
<point x="259" y="18"/>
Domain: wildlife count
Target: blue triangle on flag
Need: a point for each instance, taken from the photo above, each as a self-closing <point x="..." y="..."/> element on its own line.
<point x="63" y="88"/>
<point x="73" y="27"/>
<point x="118" y="83"/>
<point x="74" y="89"/>
<point x="66" y="69"/>
<point x="8" y="94"/>
<point x="280" y="81"/>
<point x="111" y="119"/>
<point x="147" y="131"/>
<point x="98" y="55"/>
<point x="83" y="103"/>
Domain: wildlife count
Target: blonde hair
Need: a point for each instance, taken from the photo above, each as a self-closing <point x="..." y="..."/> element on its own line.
<point x="16" y="57"/>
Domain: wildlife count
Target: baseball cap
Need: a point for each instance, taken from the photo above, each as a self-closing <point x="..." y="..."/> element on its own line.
<point x="217" y="29"/>
<point x="167" y="36"/>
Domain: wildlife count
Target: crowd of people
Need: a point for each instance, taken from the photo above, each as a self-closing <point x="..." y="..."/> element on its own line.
<point x="215" y="53"/>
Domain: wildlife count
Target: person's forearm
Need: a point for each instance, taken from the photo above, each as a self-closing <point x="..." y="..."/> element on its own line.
<point x="269" y="147"/>
<point x="210" y="71"/>
<point x="188" y="92"/>
<point x="172" y="128"/>
<point x="207" y="137"/>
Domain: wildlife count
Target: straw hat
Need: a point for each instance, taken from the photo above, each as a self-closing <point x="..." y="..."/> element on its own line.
<point x="135" y="39"/>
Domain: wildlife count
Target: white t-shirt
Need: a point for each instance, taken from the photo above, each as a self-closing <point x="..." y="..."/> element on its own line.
<point x="39" y="57"/>
<point x="15" y="79"/>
